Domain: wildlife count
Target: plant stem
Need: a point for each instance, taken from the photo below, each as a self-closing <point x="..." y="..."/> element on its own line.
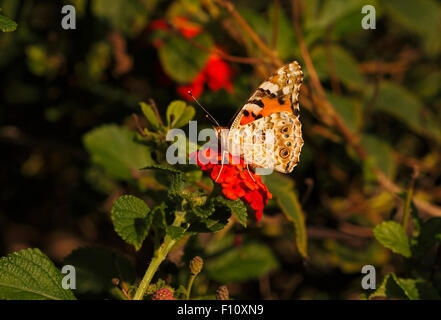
<point x="158" y="257"/>
<point x="190" y="284"/>
<point x="409" y="195"/>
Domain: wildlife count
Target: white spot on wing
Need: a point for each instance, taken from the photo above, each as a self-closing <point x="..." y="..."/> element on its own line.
<point x="270" y="86"/>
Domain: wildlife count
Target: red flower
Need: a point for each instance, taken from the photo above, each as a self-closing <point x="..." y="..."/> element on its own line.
<point x="187" y="28"/>
<point x="216" y="72"/>
<point x="235" y="179"/>
<point x="196" y="87"/>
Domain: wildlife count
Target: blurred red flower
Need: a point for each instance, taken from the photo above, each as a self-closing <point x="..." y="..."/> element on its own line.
<point x="235" y="179"/>
<point x="187" y="28"/>
<point x="217" y="73"/>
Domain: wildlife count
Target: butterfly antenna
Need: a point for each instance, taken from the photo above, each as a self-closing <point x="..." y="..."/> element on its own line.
<point x="208" y="115"/>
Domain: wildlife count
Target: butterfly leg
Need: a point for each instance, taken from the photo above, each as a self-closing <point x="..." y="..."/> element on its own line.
<point x="248" y="168"/>
<point x="222" y="165"/>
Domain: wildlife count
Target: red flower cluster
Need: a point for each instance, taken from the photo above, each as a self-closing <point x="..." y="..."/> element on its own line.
<point x="235" y="179"/>
<point x="217" y="74"/>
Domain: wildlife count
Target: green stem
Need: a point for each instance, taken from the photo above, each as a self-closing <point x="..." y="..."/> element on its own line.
<point x="190" y="284"/>
<point x="158" y="257"/>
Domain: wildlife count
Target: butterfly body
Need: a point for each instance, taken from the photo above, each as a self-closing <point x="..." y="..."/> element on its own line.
<point x="266" y="132"/>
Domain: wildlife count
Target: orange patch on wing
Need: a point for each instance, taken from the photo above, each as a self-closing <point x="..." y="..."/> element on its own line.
<point x="270" y="106"/>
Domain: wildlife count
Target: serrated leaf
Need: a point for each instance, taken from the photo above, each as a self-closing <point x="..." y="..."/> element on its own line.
<point x="131" y="219"/>
<point x="282" y="189"/>
<point x="30" y="275"/>
<point x="7" y="24"/>
<point x="114" y="148"/>
<point x="181" y="60"/>
<point x="236" y="207"/>
<point x="249" y="261"/>
<point x="95" y="269"/>
<point x="389" y="288"/>
<point x="150" y="115"/>
<point x="400" y="288"/>
<point x="204" y="211"/>
<point x="174" y="176"/>
<point x="392" y="235"/>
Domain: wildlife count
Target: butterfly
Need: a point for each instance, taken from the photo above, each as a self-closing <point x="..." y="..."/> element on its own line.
<point x="272" y="108"/>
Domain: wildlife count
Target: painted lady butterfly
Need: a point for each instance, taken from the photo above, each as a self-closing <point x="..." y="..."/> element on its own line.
<point x="273" y="107"/>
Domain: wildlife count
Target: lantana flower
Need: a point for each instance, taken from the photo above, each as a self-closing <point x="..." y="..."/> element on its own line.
<point x="216" y="73"/>
<point x="235" y="179"/>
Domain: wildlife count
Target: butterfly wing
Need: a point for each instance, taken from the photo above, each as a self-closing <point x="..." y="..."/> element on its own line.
<point x="273" y="108"/>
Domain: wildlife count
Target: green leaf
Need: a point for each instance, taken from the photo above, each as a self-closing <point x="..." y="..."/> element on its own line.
<point x="400" y="104"/>
<point x="30" y="275"/>
<point x="174" y="232"/>
<point x="389" y="288"/>
<point x="349" y="110"/>
<point x="380" y="155"/>
<point x="399" y="288"/>
<point x="350" y="259"/>
<point x="249" y="261"/>
<point x="185" y="118"/>
<point x="236" y="207"/>
<point x="286" y="39"/>
<point x="334" y="10"/>
<point x="174" y="111"/>
<point x="127" y="16"/>
<point x="113" y="148"/>
<point x="174" y="176"/>
<point x="392" y="235"/>
<point x="282" y="189"/>
<point x="179" y="114"/>
<point x="421" y="17"/>
<point x="429" y="235"/>
<point x="345" y="66"/>
<point x="96" y="267"/>
<point x="131" y="219"/>
<point x="150" y="114"/>
<point x="214" y="222"/>
<point x="181" y="60"/>
<point x="6" y="24"/>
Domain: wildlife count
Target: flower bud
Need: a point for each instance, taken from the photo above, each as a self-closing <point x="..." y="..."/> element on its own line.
<point x="163" y="294"/>
<point x="222" y="293"/>
<point x="196" y="265"/>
